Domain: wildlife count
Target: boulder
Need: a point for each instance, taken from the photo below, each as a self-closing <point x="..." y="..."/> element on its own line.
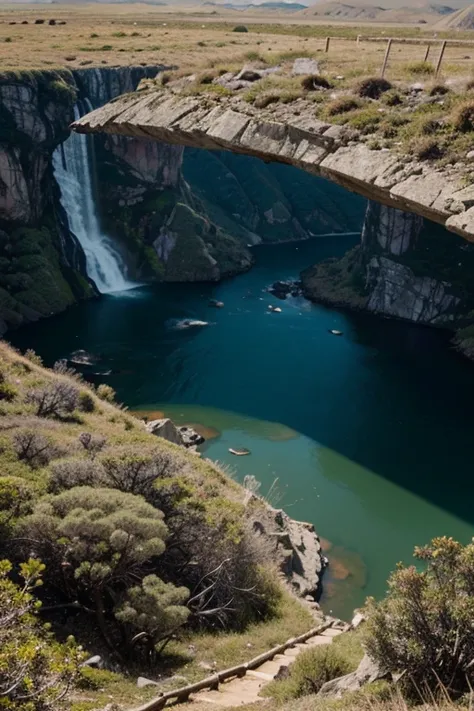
<point x="190" y="437"/>
<point x="167" y="429"/>
<point x="95" y="661"/>
<point x="184" y="436"/>
<point x="305" y="66"/>
<point x="142" y="681"/>
<point x="367" y="672"/>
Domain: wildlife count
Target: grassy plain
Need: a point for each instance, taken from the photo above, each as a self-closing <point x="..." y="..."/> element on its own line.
<point x="97" y="35"/>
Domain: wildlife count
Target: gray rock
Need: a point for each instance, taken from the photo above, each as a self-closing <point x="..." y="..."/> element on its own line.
<point x="142" y="681"/>
<point x="367" y="672"/>
<point x="190" y="437"/>
<point x="357" y="620"/>
<point x="167" y="429"/>
<point x="95" y="661"/>
<point x="304" y="65"/>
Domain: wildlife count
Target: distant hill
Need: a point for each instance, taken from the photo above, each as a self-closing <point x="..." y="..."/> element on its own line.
<point x="341" y="11"/>
<point x="460" y="20"/>
<point x="416" y="12"/>
<point x="278" y="5"/>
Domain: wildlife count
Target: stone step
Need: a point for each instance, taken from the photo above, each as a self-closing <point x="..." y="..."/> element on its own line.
<point x="257" y="674"/>
<point x="331" y="632"/>
<point x="271" y="667"/>
<point x="317" y="641"/>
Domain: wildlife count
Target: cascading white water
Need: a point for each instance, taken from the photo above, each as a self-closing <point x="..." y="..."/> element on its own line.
<point x="72" y="170"/>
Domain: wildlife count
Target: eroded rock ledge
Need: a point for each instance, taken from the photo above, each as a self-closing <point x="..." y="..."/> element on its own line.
<point x="291" y="134"/>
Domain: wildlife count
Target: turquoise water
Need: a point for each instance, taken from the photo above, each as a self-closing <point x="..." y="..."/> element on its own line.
<point x="369" y="435"/>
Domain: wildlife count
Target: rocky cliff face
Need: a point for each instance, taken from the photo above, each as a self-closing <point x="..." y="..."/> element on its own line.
<point x="38" y="274"/>
<point x="405" y="267"/>
<point x="236" y="200"/>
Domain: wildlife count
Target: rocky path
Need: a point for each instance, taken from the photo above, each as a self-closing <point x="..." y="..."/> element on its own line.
<point x="246" y="690"/>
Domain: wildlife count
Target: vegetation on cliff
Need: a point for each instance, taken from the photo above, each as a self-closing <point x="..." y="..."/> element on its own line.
<point x="141" y="543"/>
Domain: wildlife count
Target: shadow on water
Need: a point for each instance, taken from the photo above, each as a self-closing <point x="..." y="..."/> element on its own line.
<point x="382" y="417"/>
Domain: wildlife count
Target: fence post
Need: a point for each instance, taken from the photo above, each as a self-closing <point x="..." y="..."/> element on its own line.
<point x="427" y="53"/>
<point x="358" y="40"/>
<point x="387" y="54"/>
<point x="328" y="39"/>
<point x="440" y="58"/>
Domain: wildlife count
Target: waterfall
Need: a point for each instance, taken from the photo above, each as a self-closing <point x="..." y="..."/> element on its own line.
<point x="72" y="170"/>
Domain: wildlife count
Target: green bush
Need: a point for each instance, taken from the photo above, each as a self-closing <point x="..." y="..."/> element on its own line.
<point x="35" y="671"/>
<point x="313" y="82"/>
<point x="308" y="673"/>
<point x="462" y="117"/>
<point x="8" y="391"/>
<point x="426" y="148"/>
<point x="424" y="627"/>
<point x="343" y="105"/>
<point x="106" y="392"/>
<point x="86" y="402"/>
<point x="420" y="68"/>
<point x="240" y="28"/>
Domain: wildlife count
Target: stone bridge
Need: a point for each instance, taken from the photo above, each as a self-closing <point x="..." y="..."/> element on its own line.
<point x="291" y="134"/>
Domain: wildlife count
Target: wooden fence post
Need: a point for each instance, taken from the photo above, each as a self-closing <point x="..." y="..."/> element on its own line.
<point x="387" y="54"/>
<point x="328" y="39"/>
<point x="427" y="53"/>
<point x="358" y="40"/>
<point x="440" y="58"/>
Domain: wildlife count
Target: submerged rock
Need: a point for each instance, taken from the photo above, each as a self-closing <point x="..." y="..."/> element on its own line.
<point x="216" y="304"/>
<point x="282" y="289"/>
<point x="239" y="452"/>
<point x="82" y="357"/>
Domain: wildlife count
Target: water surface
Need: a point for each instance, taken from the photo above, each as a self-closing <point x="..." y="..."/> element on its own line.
<point x="368" y="435"/>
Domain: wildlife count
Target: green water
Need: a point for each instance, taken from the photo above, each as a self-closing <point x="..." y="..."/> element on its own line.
<point x="369" y="435"/>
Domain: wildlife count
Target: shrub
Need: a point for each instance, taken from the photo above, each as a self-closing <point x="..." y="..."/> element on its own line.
<point x="426" y="148"/>
<point x="93" y="444"/>
<point x="423" y="627"/>
<point x="462" y="117"/>
<point x="420" y="68"/>
<point x="33" y="448"/>
<point x="33" y="357"/>
<point x="373" y="87"/>
<point x="366" y="120"/>
<point x="470" y="85"/>
<point x="8" y="391"/>
<point x="86" y="402"/>
<point x="57" y="399"/>
<point x="342" y="105"/>
<point x="264" y="100"/>
<point x="106" y="392"/>
<point x="15" y="501"/>
<point x="36" y="671"/>
<point x="68" y="473"/>
<point x="240" y="28"/>
<point x="95" y="540"/>
<point x="308" y="673"/>
<point x="313" y="82"/>
<point x="131" y="471"/>
<point x="439" y="90"/>
<point x="154" y="610"/>
<point x="392" y="98"/>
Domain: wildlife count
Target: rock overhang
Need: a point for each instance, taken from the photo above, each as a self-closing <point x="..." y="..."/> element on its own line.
<point x="291" y="134"/>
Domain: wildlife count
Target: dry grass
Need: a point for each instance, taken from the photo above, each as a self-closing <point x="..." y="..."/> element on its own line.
<point x="123" y="34"/>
